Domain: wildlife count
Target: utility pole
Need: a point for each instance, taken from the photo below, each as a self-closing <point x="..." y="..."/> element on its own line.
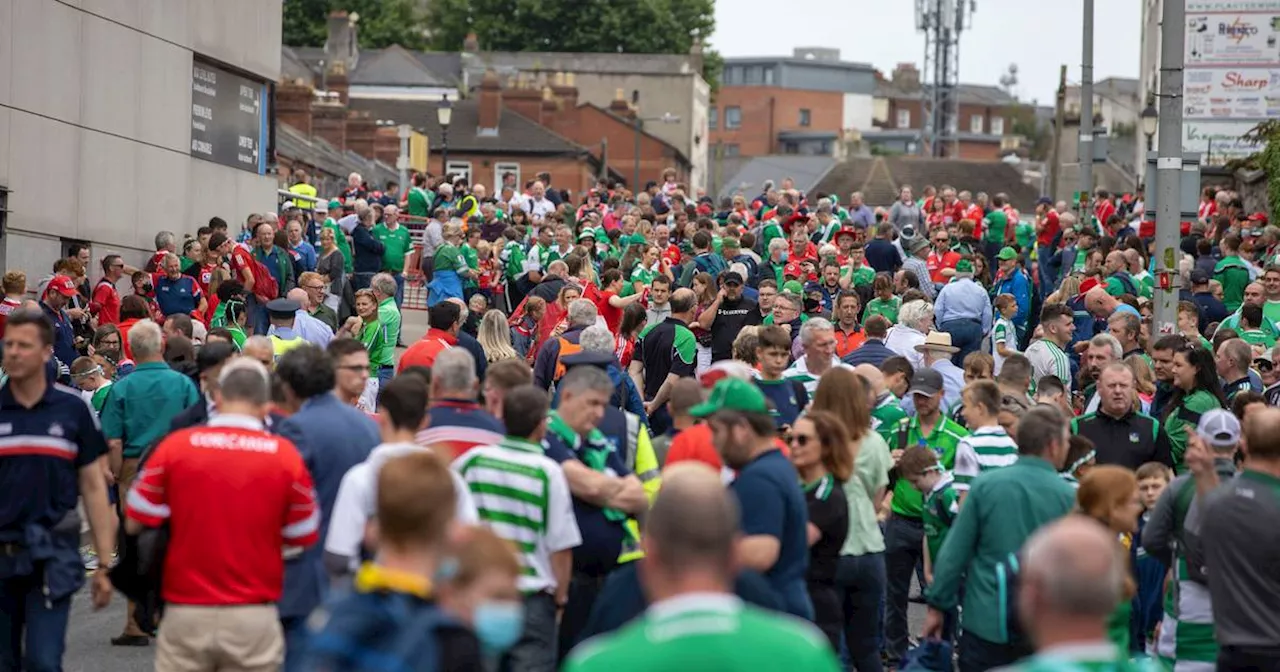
<point x="1086" y="115"/>
<point x="1055" y="152"/>
<point x="1169" y="168"/>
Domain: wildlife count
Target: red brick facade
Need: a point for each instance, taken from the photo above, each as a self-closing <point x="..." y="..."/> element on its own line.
<point x="976" y="150"/>
<point x="766" y="111"/>
<point x="569" y="173"/>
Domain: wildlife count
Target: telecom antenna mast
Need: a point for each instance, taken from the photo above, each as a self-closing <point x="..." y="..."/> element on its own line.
<point x="941" y="21"/>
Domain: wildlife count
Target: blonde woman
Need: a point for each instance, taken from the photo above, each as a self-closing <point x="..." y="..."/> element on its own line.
<point x="1069" y="288"/>
<point x="495" y="337"/>
<point x="1144" y="380"/>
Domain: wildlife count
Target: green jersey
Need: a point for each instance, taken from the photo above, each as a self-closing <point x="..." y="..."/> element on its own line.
<point x="419" y="202"/>
<point x="946" y="435"/>
<point x="1234" y="276"/>
<point x="1182" y="420"/>
<point x="472" y="259"/>
<point x="1271" y="310"/>
<point x="863" y="275"/>
<point x="513" y="260"/>
<point x="377" y="340"/>
<point x="941" y="506"/>
<point x="99" y="397"/>
<point x="395" y="245"/>
<point x="340" y="239"/>
<point x="639" y="274"/>
<point x="1087" y="658"/>
<point x="237" y="336"/>
<point x="888" y="308"/>
<point x="709" y="633"/>
<point x="886" y="415"/>
<point x="1025" y="234"/>
<point x="448" y="258"/>
<point x="1258" y="337"/>
<point x="995" y="225"/>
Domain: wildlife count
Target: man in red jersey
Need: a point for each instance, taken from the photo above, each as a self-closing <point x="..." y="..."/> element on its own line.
<point x="238" y="501"/>
<point x="106" y="299"/>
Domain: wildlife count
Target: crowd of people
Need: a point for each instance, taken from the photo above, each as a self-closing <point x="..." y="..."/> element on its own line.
<point x="651" y="431"/>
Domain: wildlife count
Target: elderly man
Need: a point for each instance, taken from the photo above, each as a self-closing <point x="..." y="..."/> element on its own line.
<point x="177" y="293"/>
<point x="332" y="437"/>
<point x="305" y="251"/>
<point x="397" y="244"/>
<point x="664" y="354"/>
<point x="1103" y="349"/>
<point x="384" y="289"/>
<point x="937" y="352"/>
<point x="1102" y="305"/>
<point x="166" y="243"/>
<point x="137" y="414"/>
<point x="309" y="328"/>
<point x="1254" y="295"/>
<point x="316" y="290"/>
<point x="963" y="310"/>
<point x="1001" y="512"/>
<point x="915" y="319"/>
<point x="1122" y="435"/>
<point x="1127" y="329"/>
<point x="1232" y="362"/>
<point x="917" y="251"/>
<point x="818" y="340"/>
<point x="259" y="347"/>
<point x="456" y="421"/>
<point x="366" y="249"/>
<point x="537" y="204"/>
<point x="547" y="367"/>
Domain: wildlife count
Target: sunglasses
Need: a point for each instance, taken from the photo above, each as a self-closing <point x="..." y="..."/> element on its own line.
<point x="802" y="439"/>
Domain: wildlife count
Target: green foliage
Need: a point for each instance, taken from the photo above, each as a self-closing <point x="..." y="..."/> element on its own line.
<point x="634" y="26"/>
<point x="1267" y="159"/>
<point x="382" y="22"/>
<point x="1023" y="122"/>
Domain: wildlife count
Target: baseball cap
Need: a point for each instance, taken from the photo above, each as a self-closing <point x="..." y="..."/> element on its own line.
<point x="335" y="204"/>
<point x="1007" y="253"/>
<point x="1088" y="284"/>
<point x="925" y="381"/>
<point x="725" y="368"/>
<point x="1258" y="217"/>
<point x="794" y="287"/>
<point x="732" y="394"/>
<point x="731" y="277"/>
<point x="62" y="285"/>
<point x="1199" y="276"/>
<point x="791" y="270"/>
<point x="1044" y="200"/>
<point x="964" y="269"/>
<point x="321" y="206"/>
<point x="1219" y="428"/>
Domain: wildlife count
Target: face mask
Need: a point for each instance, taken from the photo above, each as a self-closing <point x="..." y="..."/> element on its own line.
<point x="146" y="287"/>
<point x="498" y="625"/>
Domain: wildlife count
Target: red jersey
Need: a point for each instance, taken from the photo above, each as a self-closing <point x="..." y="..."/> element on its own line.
<point x="848" y="341"/>
<point x="809" y="251"/>
<point x="156" y="262"/>
<point x="234" y="496"/>
<point x="1049" y="229"/>
<point x="241" y="261"/>
<point x="937" y="263"/>
<point x="1208" y="210"/>
<point x="625" y="350"/>
<point x="105" y="304"/>
<point x="1104" y="211"/>
<point x="694" y="444"/>
<point x="7" y="306"/>
<point x="425" y="351"/>
<point x="612" y="316"/>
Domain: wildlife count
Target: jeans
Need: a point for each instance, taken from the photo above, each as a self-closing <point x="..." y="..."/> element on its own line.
<point x="903" y="539"/>
<point x="827" y="613"/>
<point x="1251" y="659"/>
<point x="257" y="313"/>
<point x="860" y="580"/>
<point x="980" y="655"/>
<point x="583" y="590"/>
<point x="385" y="374"/>
<point x="1047" y="281"/>
<point x="966" y="334"/>
<point x="37" y="630"/>
<point x="399" y="288"/>
<point x="295" y="643"/>
<point x="536" y="650"/>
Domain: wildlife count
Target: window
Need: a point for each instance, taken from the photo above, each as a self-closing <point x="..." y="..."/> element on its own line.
<point x="730" y="150"/>
<point x="753" y="74"/>
<point x="904" y="118"/>
<point x="730" y="74"/>
<point x="459" y="169"/>
<point x="790" y="148"/>
<point x="997" y="126"/>
<point x="713" y="118"/>
<point x="804" y="117"/>
<point x="505" y="174"/>
<point x="732" y="117"/>
<point x="975" y="123"/>
<point x="768" y="76"/>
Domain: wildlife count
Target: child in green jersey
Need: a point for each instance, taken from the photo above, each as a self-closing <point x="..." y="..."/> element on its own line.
<point x="886" y="303"/>
<point x="920" y="467"/>
<point x="88" y="376"/>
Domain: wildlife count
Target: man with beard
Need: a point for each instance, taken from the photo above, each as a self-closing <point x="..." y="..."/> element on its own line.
<point x="727" y="315"/>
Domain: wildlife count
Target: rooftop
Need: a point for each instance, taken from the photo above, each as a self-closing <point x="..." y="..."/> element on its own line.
<point x="516" y="134"/>
<point x="805" y="171"/>
<point x="880" y="178"/>
<point x="969" y="94"/>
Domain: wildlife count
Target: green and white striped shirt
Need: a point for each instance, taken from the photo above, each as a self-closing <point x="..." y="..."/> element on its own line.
<point x="522" y="495"/>
<point x="985" y="449"/>
<point x="1047" y="359"/>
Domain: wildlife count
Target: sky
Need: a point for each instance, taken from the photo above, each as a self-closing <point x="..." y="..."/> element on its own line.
<point x="1038" y="35"/>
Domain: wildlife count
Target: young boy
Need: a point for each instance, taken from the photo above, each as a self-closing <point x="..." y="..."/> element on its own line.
<point x="988" y="446"/>
<point x="88" y="375"/>
<point x="1004" y="337"/>
<point x="1153" y="478"/>
<point x="1189" y="324"/>
<point x="773" y="353"/>
<point x="920" y="467"/>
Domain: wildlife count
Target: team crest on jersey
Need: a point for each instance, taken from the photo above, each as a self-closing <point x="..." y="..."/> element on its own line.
<point x="1133" y="437"/>
<point x="56" y="430"/>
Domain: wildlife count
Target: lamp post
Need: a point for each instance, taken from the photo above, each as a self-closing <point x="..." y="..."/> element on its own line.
<point x="666" y="118"/>
<point x="444" y="115"/>
<point x="1150" y="117"/>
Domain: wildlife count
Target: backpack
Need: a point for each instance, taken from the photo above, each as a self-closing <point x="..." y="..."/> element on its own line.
<point x="264" y="284"/>
<point x="412" y="644"/>
<point x="566" y="348"/>
<point x="1130" y="287"/>
<point x="711" y="264"/>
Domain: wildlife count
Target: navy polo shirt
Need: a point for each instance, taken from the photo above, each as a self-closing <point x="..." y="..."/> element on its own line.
<point x="177" y="296"/>
<point x="601" y="537"/>
<point x="772" y="503"/>
<point x="42" y="449"/>
<point x="64" y="336"/>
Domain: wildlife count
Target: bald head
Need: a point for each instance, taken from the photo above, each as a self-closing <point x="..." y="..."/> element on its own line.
<point x="675" y="541"/>
<point x="1099" y="303"/>
<point x="873" y="375"/>
<point x="1262" y="433"/>
<point x="1073" y="571"/>
<point x="300" y="295"/>
<point x="683" y="301"/>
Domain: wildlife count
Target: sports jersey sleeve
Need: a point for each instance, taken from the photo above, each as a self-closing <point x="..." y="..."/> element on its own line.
<point x="684" y="354"/>
<point x="1000" y="334"/>
<point x="562" y="526"/>
<point x="966" y="468"/>
<point x="464" y="506"/>
<point x="302" y="514"/>
<point x="148" y="499"/>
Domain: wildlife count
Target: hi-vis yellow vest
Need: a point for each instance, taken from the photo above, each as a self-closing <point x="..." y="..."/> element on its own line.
<point x="279" y="346"/>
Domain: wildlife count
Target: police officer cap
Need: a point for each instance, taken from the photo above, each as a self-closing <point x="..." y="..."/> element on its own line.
<point x="283" y="307"/>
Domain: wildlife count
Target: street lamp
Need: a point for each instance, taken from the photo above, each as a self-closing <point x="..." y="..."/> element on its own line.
<point x="444" y="115"/>
<point x="1150" y="118"/>
<point x="666" y="118"/>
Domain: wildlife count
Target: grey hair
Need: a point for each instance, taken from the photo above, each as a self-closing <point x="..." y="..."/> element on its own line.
<point x="1239" y="352"/>
<point x="596" y="338"/>
<point x="558" y="267"/>
<point x="582" y="313"/>
<point x="254" y="342"/>
<point x="454" y="371"/>
<point x="169" y="256"/>
<point x="384" y="284"/>
<point x="146" y="340"/>
<point x="1069" y="582"/>
<point x="809" y="329"/>
<point x="795" y="301"/>
<point x="165" y="239"/>
<point x="581" y="379"/>
<point x="1108" y="341"/>
<point x="244" y="379"/>
<point x="1131" y="323"/>
<point x="913" y="313"/>
<point x="1040" y="427"/>
<point x="777" y="244"/>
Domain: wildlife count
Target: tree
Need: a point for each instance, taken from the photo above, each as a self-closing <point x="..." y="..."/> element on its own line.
<point x="1039" y="136"/>
<point x="636" y="26"/>
<point x="382" y="23"/>
<point x="1266" y="134"/>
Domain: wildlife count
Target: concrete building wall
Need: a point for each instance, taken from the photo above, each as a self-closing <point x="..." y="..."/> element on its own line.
<point x="95" y="110"/>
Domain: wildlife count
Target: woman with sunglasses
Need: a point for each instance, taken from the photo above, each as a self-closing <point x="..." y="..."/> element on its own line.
<point x="1196" y="390"/>
<point x="820" y="453"/>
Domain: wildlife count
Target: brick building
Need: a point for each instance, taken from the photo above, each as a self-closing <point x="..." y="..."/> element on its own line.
<point x="983" y="124"/>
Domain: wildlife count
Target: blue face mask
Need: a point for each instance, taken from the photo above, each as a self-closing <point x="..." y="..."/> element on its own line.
<point x="498" y="625"/>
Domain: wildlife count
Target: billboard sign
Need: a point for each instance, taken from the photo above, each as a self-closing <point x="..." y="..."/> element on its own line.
<point x="1218" y="142"/>
<point x="228" y="118"/>
<point x="1233" y="39"/>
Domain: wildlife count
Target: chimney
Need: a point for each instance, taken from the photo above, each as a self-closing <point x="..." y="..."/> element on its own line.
<point x="548" y="105"/>
<point x="525" y="98"/>
<point x="471" y="44"/>
<point x="620" y="106"/>
<point x="341" y="46"/>
<point x="336" y="81"/>
<point x="566" y="91"/>
<point x="906" y="76"/>
<point x="386" y="144"/>
<point x="490" y="104"/>
<point x="329" y="120"/>
<point x="695" y="55"/>
<point x="293" y="105"/>
<point x="361" y="131"/>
